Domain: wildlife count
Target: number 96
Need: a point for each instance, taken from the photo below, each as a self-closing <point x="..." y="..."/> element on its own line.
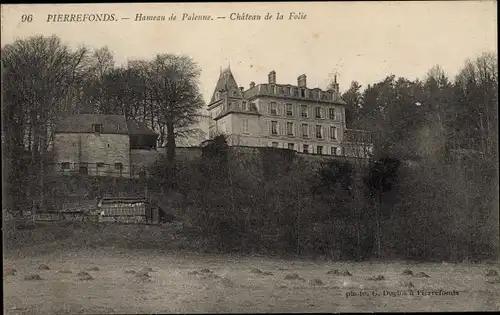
<point x="26" y="18"/>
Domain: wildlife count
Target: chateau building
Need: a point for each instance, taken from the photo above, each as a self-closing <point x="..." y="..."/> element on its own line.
<point x="295" y="117"/>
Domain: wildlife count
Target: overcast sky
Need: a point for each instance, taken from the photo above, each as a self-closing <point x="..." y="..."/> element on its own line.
<point x="360" y="40"/>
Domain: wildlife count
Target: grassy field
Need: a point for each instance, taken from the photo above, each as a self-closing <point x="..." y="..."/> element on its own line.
<point x="177" y="283"/>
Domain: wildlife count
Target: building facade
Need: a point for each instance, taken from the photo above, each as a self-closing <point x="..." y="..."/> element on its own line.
<point x="285" y="116"/>
<point x="102" y="145"/>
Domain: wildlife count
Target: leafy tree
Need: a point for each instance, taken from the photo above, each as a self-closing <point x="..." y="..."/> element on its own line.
<point x="354" y="100"/>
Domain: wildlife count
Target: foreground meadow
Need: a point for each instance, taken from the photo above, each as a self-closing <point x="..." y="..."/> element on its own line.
<point x="69" y="279"/>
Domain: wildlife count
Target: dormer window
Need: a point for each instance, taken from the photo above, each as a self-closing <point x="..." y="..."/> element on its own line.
<point x="302" y="92"/>
<point x="244" y="106"/>
<point x="97" y="128"/>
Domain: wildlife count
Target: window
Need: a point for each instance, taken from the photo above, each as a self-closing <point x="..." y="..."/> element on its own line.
<point x="99" y="168"/>
<point x="273" y="108"/>
<point x="274" y="127"/>
<point x="334" y="150"/>
<point x="303" y="92"/>
<point x="83" y="169"/>
<point x="289" y="109"/>
<point x="304" y="110"/>
<point x="295" y="92"/>
<point x="305" y="148"/>
<point x="244" y="106"/>
<point x="333" y="132"/>
<point x="319" y="149"/>
<point x="286" y="90"/>
<point x="331" y="112"/>
<point x="291" y="146"/>
<point x="319" y="132"/>
<point x="317" y="112"/>
<point x="275" y="144"/>
<point x="245" y="125"/>
<point x="97" y="128"/>
<point x="65" y="166"/>
<point x="119" y="168"/>
<point x="304" y="130"/>
<point x="289" y="128"/>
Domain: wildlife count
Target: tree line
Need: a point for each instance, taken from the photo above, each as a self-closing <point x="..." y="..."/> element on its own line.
<point x="44" y="80"/>
<point x="434" y="116"/>
<point x="275" y="202"/>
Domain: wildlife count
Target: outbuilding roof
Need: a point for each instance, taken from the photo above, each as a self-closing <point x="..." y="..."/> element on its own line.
<point x="111" y="124"/>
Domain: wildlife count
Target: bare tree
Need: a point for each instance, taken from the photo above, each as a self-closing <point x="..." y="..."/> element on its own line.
<point x="477" y="89"/>
<point x="173" y="82"/>
<point x="98" y="66"/>
<point x="41" y="71"/>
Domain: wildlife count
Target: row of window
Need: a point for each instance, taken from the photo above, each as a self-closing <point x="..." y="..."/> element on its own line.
<point x="305" y="132"/>
<point x="319" y="112"/>
<point x="300" y="92"/>
<point x="289" y="91"/>
<point x="275" y="110"/>
<point x="83" y="166"/>
<point x="309" y="149"/>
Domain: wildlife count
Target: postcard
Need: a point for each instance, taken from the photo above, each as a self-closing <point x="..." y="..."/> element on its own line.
<point x="250" y="157"/>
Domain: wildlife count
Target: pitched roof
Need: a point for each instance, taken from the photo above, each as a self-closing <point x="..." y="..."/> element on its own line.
<point x="139" y="128"/>
<point x="252" y="110"/>
<point x="227" y="83"/>
<point x="111" y="124"/>
<point x="82" y="123"/>
<point x="267" y="89"/>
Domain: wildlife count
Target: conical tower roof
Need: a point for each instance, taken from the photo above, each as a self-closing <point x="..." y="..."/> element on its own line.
<point x="227" y="83"/>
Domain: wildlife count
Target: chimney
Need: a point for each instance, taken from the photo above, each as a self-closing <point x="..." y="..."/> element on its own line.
<point x="302" y="81"/>
<point x="335" y="85"/>
<point x="272" y="77"/>
<point x="252" y="84"/>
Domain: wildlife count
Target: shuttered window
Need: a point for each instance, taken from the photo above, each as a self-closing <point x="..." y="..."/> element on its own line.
<point x="333" y="132"/>
<point x="274" y="127"/>
<point x="305" y="130"/>
<point x="289" y="128"/>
